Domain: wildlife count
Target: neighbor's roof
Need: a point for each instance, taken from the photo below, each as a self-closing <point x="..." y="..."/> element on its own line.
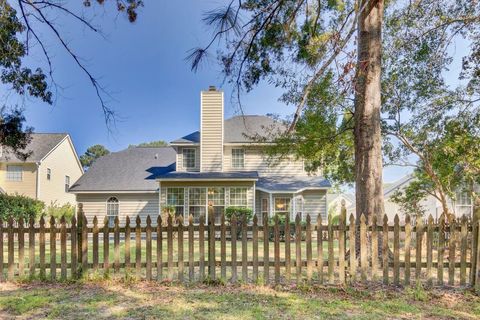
<point x="188" y="176"/>
<point x="133" y="169"/>
<point x="291" y="184"/>
<point x="40" y="145"/>
<point x="239" y="129"/>
<point x="398" y="184"/>
<point x="333" y="196"/>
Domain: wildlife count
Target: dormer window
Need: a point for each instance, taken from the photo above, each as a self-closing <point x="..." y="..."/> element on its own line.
<point x="189" y="158"/>
<point x="238" y="158"/>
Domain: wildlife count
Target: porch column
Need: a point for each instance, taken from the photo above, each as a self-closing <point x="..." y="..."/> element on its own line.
<point x="159" y="198"/>
<point x="270" y="206"/>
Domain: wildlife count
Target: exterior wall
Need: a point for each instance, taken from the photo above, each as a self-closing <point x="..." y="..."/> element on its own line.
<point x="211" y="131"/>
<point x="179" y="164"/>
<point x="131" y="205"/>
<point x="62" y="162"/>
<point x="26" y="187"/>
<point x="255" y="160"/>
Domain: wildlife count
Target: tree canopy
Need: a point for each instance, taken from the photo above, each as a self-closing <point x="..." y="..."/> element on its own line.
<point x="93" y="153"/>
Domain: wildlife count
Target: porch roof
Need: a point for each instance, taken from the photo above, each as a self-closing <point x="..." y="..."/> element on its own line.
<point x="291" y="183"/>
<point x="208" y="176"/>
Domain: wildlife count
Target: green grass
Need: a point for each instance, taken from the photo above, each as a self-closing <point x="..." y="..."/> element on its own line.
<point x="144" y="300"/>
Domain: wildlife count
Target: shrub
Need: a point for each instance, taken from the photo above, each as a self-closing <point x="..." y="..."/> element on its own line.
<point x="239" y="212"/>
<point x="281" y="222"/>
<point x="17" y="206"/>
<point x="57" y="211"/>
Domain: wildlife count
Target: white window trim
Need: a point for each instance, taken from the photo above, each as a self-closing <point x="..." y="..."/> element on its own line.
<point x="106" y="208"/>
<point x="20" y="172"/>
<point x="194" y="158"/>
<point x="242" y="166"/>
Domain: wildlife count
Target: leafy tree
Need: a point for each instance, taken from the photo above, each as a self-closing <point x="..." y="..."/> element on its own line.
<point x="151" y="144"/>
<point x="23" y="24"/>
<point x="94" y="152"/>
<point x="18" y="206"/>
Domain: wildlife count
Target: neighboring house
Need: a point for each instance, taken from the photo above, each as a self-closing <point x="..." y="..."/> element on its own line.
<point x="50" y="169"/>
<point x="462" y="205"/>
<point x="334" y="202"/>
<point x="217" y="167"/>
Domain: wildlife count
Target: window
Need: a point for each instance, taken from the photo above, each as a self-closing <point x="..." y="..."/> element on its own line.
<point x="49" y="174"/>
<point x="176" y="198"/>
<point x="197" y="201"/>
<point x="189" y="158"/>
<point x="216" y="199"/>
<point x="282" y="206"/>
<point x="112" y="210"/>
<point x="238" y="197"/>
<point x="14" y="173"/>
<point x="67" y="183"/>
<point x="463" y="203"/>
<point x="238" y="158"/>
<point x="298" y="208"/>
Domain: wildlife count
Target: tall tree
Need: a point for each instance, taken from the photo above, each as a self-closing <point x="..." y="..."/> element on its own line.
<point x="151" y="144"/>
<point x="93" y="153"/>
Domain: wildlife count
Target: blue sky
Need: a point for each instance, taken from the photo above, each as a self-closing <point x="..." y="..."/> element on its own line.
<point x="142" y="65"/>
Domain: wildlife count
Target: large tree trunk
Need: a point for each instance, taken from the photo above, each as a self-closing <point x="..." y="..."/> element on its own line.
<point x="368" y="144"/>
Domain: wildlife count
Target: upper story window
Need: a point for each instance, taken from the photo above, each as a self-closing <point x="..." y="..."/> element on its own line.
<point x="49" y="174"/>
<point x="14" y="173"/>
<point x="67" y="183"/>
<point x="238" y="197"/>
<point x="463" y="203"/>
<point x="238" y="158"/>
<point x="189" y="158"/>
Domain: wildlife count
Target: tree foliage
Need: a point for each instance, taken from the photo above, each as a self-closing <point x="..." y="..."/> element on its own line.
<point x="93" y="153"/>
<point x="151" y="144"/>
<point x="18" y="206"/>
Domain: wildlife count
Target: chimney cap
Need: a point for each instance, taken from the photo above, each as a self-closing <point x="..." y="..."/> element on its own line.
<point x="212" y="88"/>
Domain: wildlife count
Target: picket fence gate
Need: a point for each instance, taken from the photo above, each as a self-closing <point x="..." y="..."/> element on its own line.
<point x="420" y="251"/>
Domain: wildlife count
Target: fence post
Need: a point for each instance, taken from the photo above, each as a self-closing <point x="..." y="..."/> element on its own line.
<point x="408" y="241"/>
<point x="73" y="247"/>
<point x="84" y="245"/>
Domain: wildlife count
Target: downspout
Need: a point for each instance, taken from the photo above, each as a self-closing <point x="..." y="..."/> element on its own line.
<point x="37" y="191"/>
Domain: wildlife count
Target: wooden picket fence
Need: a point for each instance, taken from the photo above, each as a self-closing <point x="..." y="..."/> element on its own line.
<point x="322" y="253"/>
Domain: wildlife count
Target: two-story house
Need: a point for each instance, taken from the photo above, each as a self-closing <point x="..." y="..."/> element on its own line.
<point x="51" y="167"/>
<point x="218" y="166"/>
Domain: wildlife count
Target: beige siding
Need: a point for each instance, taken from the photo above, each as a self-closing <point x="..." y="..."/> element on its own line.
<point x="26" y="187"/>
<point x="179" y="164"/>
<point x="62" y="162"/>
<point x="315" y="203"/>
<point x="131" y="205"/>
<point x="211" y="131"/>
<point x="255" y="160"/>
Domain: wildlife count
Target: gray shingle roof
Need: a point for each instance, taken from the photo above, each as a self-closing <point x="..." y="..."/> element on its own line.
<point x="238" y="129"/>
<point x="133" y="169"/>
<point x="285" y="183"/>
<point x="253" y="175"/>
<point x="39" y="146"/>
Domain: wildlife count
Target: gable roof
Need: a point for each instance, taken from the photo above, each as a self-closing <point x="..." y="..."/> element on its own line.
<point x="291" y="183"/>
<point x="40" y="145"/>
<point x="398" y="184"/>
<point x="238" y="129"/>
<point x="133" y="169"/>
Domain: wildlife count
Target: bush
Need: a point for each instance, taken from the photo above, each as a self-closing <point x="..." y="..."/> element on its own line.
<point x="281" y="222"/>
<point x="56" y="211"/>
<point x="239" y="212"/>
<point x="17" y="206"/>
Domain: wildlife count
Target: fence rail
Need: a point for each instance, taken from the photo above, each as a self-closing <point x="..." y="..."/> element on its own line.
<point x="434" y="252"/>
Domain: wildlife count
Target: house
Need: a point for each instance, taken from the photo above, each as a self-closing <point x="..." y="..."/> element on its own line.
<point x="215" y="167"/>
<point x="460" y="206"/>
<point x="334" y="203"/>
<point x="51" y="167"/>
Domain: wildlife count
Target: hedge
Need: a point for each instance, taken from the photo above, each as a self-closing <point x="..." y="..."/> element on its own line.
<point x="17" y="206"/>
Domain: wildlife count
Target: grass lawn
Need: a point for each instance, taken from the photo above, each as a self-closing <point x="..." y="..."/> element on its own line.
<point x="148" y="300"/>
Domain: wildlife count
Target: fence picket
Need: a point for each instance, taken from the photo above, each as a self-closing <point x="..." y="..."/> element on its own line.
<point x="266" y="252"/>
<point x="308" y="239"/>
<point x="341" y="244"/>
<point x="53" y="250"/>
<point x="476" y="274"/>
<point x="73" y="246"/>
<point x="288" y="259"/>
<point x="298" y="248"/>
<point x="116" y="245"/>
<point x="159" y="248"/>
<point x="408" y="242"/>
<point x="244" y="249"/>
<point x="255" y="248"/>
<point x="374" y="249"/>
<point x="201" y="239"/>
<point x="223" y="248"/>
<point x="31" y="248"/>
<point x="396" y="250"/>
<point x="320" y="249"/>
<point x="127" y="244"/>
<point x="441" y="249"/>
<point x="106" y="246"/>
<point x="11" y="266"/>
<point x="385" y="249"/>
<point x="191" y="249"/>
<point x="233" y="237"/>
<point x="463" y="251"/>
<point x="84" y="244"/>
<point x="2" y="278"/>
<point x="418" y="249"/>
<point x="276" y="245"/>
<point x="352" y="253"/>
<point x="363" y="249"/>
<point x="451" y="252"/>
<point x="63" y="248"/>
<point x="148" y="253"/>
<point x="331" y="258"/>
<point x="138" y="247"/>
<point x="95" y="244"/>
<point x="180" y="249"/>
<point x="211" y="245"/>
<point x="429" y="250"/>
<point x="21" y="248"/>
